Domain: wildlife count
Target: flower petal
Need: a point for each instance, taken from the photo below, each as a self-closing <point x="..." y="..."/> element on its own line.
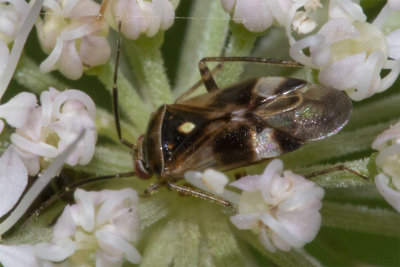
<point x="116" y="200"/>
<point x="253" y="14"/>
<point x="56" y="252"/>
<point x="105" y="260"/>
<point x="65" y="225"/>
<point x="21" y="255"/>
<point x="4" y="54"/>
<point x="390" y="195"/>
<point x="16" y="111"/>
<point x="245" y="221"/>
<point x="109" y="241"/>
<point x="393" y="40"/>
<point x="69" y="63"/>
<point x="84" y="212"/>
<point x="13" y="179"/>
<point x="94" y="50"/>
<point x="346" y="9"/>
<point x="343" y="74"/>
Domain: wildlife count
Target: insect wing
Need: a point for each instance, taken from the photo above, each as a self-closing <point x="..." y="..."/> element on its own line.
<point x="308" y="113"/>
<point x="248" y="122"/>
<point x="221" y="130"/>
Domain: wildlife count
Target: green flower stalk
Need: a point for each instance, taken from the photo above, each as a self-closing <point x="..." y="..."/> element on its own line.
<point x="342" y="44"/>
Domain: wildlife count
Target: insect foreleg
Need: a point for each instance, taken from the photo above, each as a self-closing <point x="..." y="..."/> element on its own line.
<point x="115" y="91"/>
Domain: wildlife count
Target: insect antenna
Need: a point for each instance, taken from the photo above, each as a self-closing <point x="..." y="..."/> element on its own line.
<point x="115" y="91"/>
<point x="71" y="187"/>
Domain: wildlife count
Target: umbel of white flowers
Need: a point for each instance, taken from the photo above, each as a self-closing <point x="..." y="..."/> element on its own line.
<point x="103" y="223"/>
<point x="282" y="209"/>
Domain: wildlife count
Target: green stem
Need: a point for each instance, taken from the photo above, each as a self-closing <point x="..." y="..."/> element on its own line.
<point x="224" y="246"/>
<point x="365" y="113"/>
<point x="105" y="121"/>
<point x="361" y="218"/>
<point x="240" y="43"/>
<point x="205" y="37"/>
<point x="295" y="257"/>
<point x="108" y="160"/>
<point x="148" y="67"/>
<point x="334" y="147"/>
<point x="29" y="76"/>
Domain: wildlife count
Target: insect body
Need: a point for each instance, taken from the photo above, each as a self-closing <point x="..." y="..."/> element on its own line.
<point x="230" y="128"/>
<point x="239" y="125"/>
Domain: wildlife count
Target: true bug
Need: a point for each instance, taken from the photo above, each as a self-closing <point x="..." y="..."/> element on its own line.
<point x="232" y="127"/>
<point x="229" y="128"/>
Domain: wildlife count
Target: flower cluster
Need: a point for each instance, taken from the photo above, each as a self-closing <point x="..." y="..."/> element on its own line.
<point x="141" y="17"/>
<point x="73" y="36"/>
<point x="103" y="223"/>
<point x="259" y="15"/>
<point x="283" y="209"/>
<point x="388" y="160"/>
<point x="349" y="52"/>
<point x="42" y="133"/>
<point x="11" y="14"/>
<point x="74" y="33"/>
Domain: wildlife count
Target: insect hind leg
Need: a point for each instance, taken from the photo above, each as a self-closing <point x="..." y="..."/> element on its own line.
<point x="197" y="85"/>
<point x="207" y="75"/>
<point x="334" y="169"/>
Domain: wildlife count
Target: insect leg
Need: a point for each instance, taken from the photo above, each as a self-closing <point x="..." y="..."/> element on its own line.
<point x="207" y="75"/>
<point x="187" y="191"/>
<point x="115" y="91"/>
<point x="334" y="169"/>
<point x="71" y="187"/>
<point x="196" y="85"/>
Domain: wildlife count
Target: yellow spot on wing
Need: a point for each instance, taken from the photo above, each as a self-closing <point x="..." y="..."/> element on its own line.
<point x="186" y="127"/>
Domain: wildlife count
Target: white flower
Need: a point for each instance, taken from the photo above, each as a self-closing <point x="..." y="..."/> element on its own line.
<point x="42" y="134"/>
<point x="18" y="256"/>
<point x="17" y="110"/>
<point x="103" y="223"/>
<point x="350" y="52"/>
<point x="141" y="17"/>
<point x="17" y="171"/>
<point x="259" y="15"/>
<point x="282" y="210"/>
<point x="210" y="180"/>
<point x="12" y="14"/>
<point x="73" y="36"/>
<point x="388" y="160"/>
<point x="53" y="126"/>
<point x="13" y="179"/>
